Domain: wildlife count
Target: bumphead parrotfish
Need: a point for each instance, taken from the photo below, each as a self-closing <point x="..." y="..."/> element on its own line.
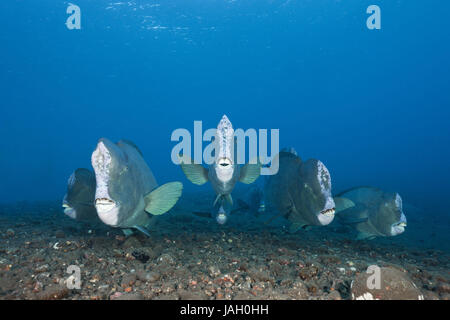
<point x="78" y="202"/>
<point x="253" y="201"/>
<point x="371" y="211"/>
<point x="127" y="195"/>
<point x="224" y="173"/>
<point x="300" y="191"/>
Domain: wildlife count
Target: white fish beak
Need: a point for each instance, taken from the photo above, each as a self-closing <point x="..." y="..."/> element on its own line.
<point x="224" y="169"/>
<point x="326" y="216"/>
<point x="69" y="211"/>
<point x="328" y="212"/>
<point x="399" y="227"/>
<point x="104" y="205"/>
<point x="221" y="218"/>
<point x="224" y="162"/>
<point x="107" y="210"/>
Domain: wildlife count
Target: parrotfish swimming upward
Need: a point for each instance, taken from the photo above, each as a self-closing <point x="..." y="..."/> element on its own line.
<point x="300" y="191"/>
<point x="127" y="194"/>
<point x="224" y="173"/>
<point x="78" y="202"/>
<point x="371" y="211"/>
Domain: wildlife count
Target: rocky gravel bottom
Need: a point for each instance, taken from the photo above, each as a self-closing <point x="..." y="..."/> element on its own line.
<point x="191" y="258"/>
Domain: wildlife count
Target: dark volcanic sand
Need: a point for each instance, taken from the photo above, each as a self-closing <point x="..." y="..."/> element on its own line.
<point x="188" y="257"/>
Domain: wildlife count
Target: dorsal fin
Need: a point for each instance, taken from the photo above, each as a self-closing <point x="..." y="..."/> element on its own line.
<point x="290" y="150"/>
<point x="288" y="154"/>
<point x="352" y="189"/>
<point x="130" y="143"/>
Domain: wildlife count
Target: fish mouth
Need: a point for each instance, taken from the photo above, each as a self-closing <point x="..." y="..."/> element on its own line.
<point x="69" y="211"/>
<point x="221" y="218"/>
<point x="328" y="212"/>
<point x="326" y="216"/>
<point x="224" y="169"/>
<point x="224" y="162"/>
<point x="399" y="227"/>
<point x="104" y="205"/>
<point x="108" y="211"/>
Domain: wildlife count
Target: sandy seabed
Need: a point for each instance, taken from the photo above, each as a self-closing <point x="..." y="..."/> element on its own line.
<point x="188" y="257"/>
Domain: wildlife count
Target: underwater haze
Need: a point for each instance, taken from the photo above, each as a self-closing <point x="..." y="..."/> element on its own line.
<point x="373" y="105"/>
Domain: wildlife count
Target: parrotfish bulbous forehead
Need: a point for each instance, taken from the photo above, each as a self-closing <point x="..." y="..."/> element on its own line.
<point x="399" y="226"/>
<point x="326" y="215"/>
<point x="103" y="162"/>
<point x="224" y="139"/>
<point x="224" y="150"/>
<point x="318" y="178"/>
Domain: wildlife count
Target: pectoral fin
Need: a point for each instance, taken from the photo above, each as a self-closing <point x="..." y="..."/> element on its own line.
<point x="250" y="172"/>
<point x="163" y="198"/>
<point x="196" y="173"/>
<point x="342" y="204"/>
<point x="353" y="215"/>
<point x="127" y="232"/>
<point x="143" y="230"/>
<point x="294" y="227"/>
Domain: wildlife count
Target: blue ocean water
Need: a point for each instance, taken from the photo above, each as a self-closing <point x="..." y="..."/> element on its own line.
<point x="373" y="105"/>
